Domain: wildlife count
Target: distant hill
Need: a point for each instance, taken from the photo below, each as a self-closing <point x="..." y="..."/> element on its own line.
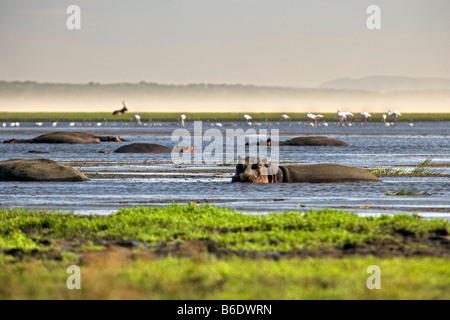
<point x="388" y="83"/>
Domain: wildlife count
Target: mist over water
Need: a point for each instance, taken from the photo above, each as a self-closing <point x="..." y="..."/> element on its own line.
<point x="214" y="98"/>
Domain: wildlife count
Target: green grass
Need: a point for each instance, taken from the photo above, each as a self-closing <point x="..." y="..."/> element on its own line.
<point x="36" y="247"/>
<point x="21" y="229"/>
<point x="235" y="278"/>
<point x="74" y="116"/>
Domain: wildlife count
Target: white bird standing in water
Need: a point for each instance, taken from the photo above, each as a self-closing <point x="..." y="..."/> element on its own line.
<point x="137" y="118"/>
<point x="341" y="117"/>
<point x="313" y="118"/>
<point x="394" y="114"/>
<point x="365" y="116"/>
<point x="386" y="124"/>
<point x="247" y="119"/>
<point x="183" y="120"/>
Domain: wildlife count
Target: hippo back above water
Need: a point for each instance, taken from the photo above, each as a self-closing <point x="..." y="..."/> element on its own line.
<point x="143" y="148"/>
<point x="313" y="141"/>
<point x="255" y="171"/>
<point x="304" y="141"/>
<point x="69" y="138"/>
<point x="44" y="170"/>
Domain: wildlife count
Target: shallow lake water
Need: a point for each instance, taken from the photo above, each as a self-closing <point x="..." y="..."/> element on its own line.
<point x="127" y="180"/>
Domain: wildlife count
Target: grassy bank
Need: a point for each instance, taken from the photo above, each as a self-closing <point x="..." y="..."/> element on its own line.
<point x="205" y="252"/>
<point x="232" y="232"/>
<point x="200" y="116"/>
<point x="118" y="277"/>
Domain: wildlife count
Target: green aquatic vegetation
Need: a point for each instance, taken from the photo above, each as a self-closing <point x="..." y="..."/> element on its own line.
<point x="177" y="223"/>
<point x="419" y="170"/>
<point x="387" y="171"/>
<point x="426" y="162"/>
<point x="408" y="191"/>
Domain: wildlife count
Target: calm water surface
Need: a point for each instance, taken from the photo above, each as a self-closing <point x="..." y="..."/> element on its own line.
<point x="372" y="145"/>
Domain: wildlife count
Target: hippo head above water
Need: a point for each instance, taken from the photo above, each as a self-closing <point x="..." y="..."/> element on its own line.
<point x="255" y="170"/>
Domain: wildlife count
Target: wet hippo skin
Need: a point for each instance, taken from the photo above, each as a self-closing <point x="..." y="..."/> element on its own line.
<point x="318" y="173"/>
<point x="313" y="141"/>
<point x="68" y="137"/>
<point x="305" y="141"/>
<point x="38" y="170"/>
<point x="143" y="148"/>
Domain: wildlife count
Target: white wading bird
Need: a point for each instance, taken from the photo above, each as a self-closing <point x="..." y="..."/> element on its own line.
<point x="386" y="124"/>
<point x="313" y="118"/>
<point x="247" y="119"/>
<point x="137" y="118"/>
<point x="183" y="120"/>
<point x="394" y="114"/>
<point x="365" y="116"/>
<point x="343" y="116"/>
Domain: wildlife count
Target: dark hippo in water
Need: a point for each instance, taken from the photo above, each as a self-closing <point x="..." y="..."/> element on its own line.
<point x="38" y="170"/>
<point x="68" y="137"/>
<point x="143" y="148"/>
<point x="151" y="148"/>
<point x="313" y="141"/>
<point x="255" y="171"/>
<point x="306" y="141"/>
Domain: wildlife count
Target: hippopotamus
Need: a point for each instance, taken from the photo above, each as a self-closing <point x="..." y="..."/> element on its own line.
<point x="68" y="137"/>
<point x="306" y="141"/>
<point x="151" y="148"/>
<point x="256" y="171"/>
<point x="143" y="148"/>
<point x="38" y="170"/>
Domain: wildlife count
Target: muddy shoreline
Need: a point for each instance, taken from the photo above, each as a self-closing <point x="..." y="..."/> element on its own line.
<point x="435" y="244"/>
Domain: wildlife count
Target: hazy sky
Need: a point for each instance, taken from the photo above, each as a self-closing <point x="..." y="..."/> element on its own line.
<point x="264" y="42"/>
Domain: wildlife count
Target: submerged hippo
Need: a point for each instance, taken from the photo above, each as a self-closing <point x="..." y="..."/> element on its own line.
<point x="313" y="141"/>
<point x="255" y="171"/>
<point x="151" y="148"/>
<point x="38" y="170"/>
<point x="306" y="141"/>
<point x="143" y="148"/>
<point x="67" y="137"/>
